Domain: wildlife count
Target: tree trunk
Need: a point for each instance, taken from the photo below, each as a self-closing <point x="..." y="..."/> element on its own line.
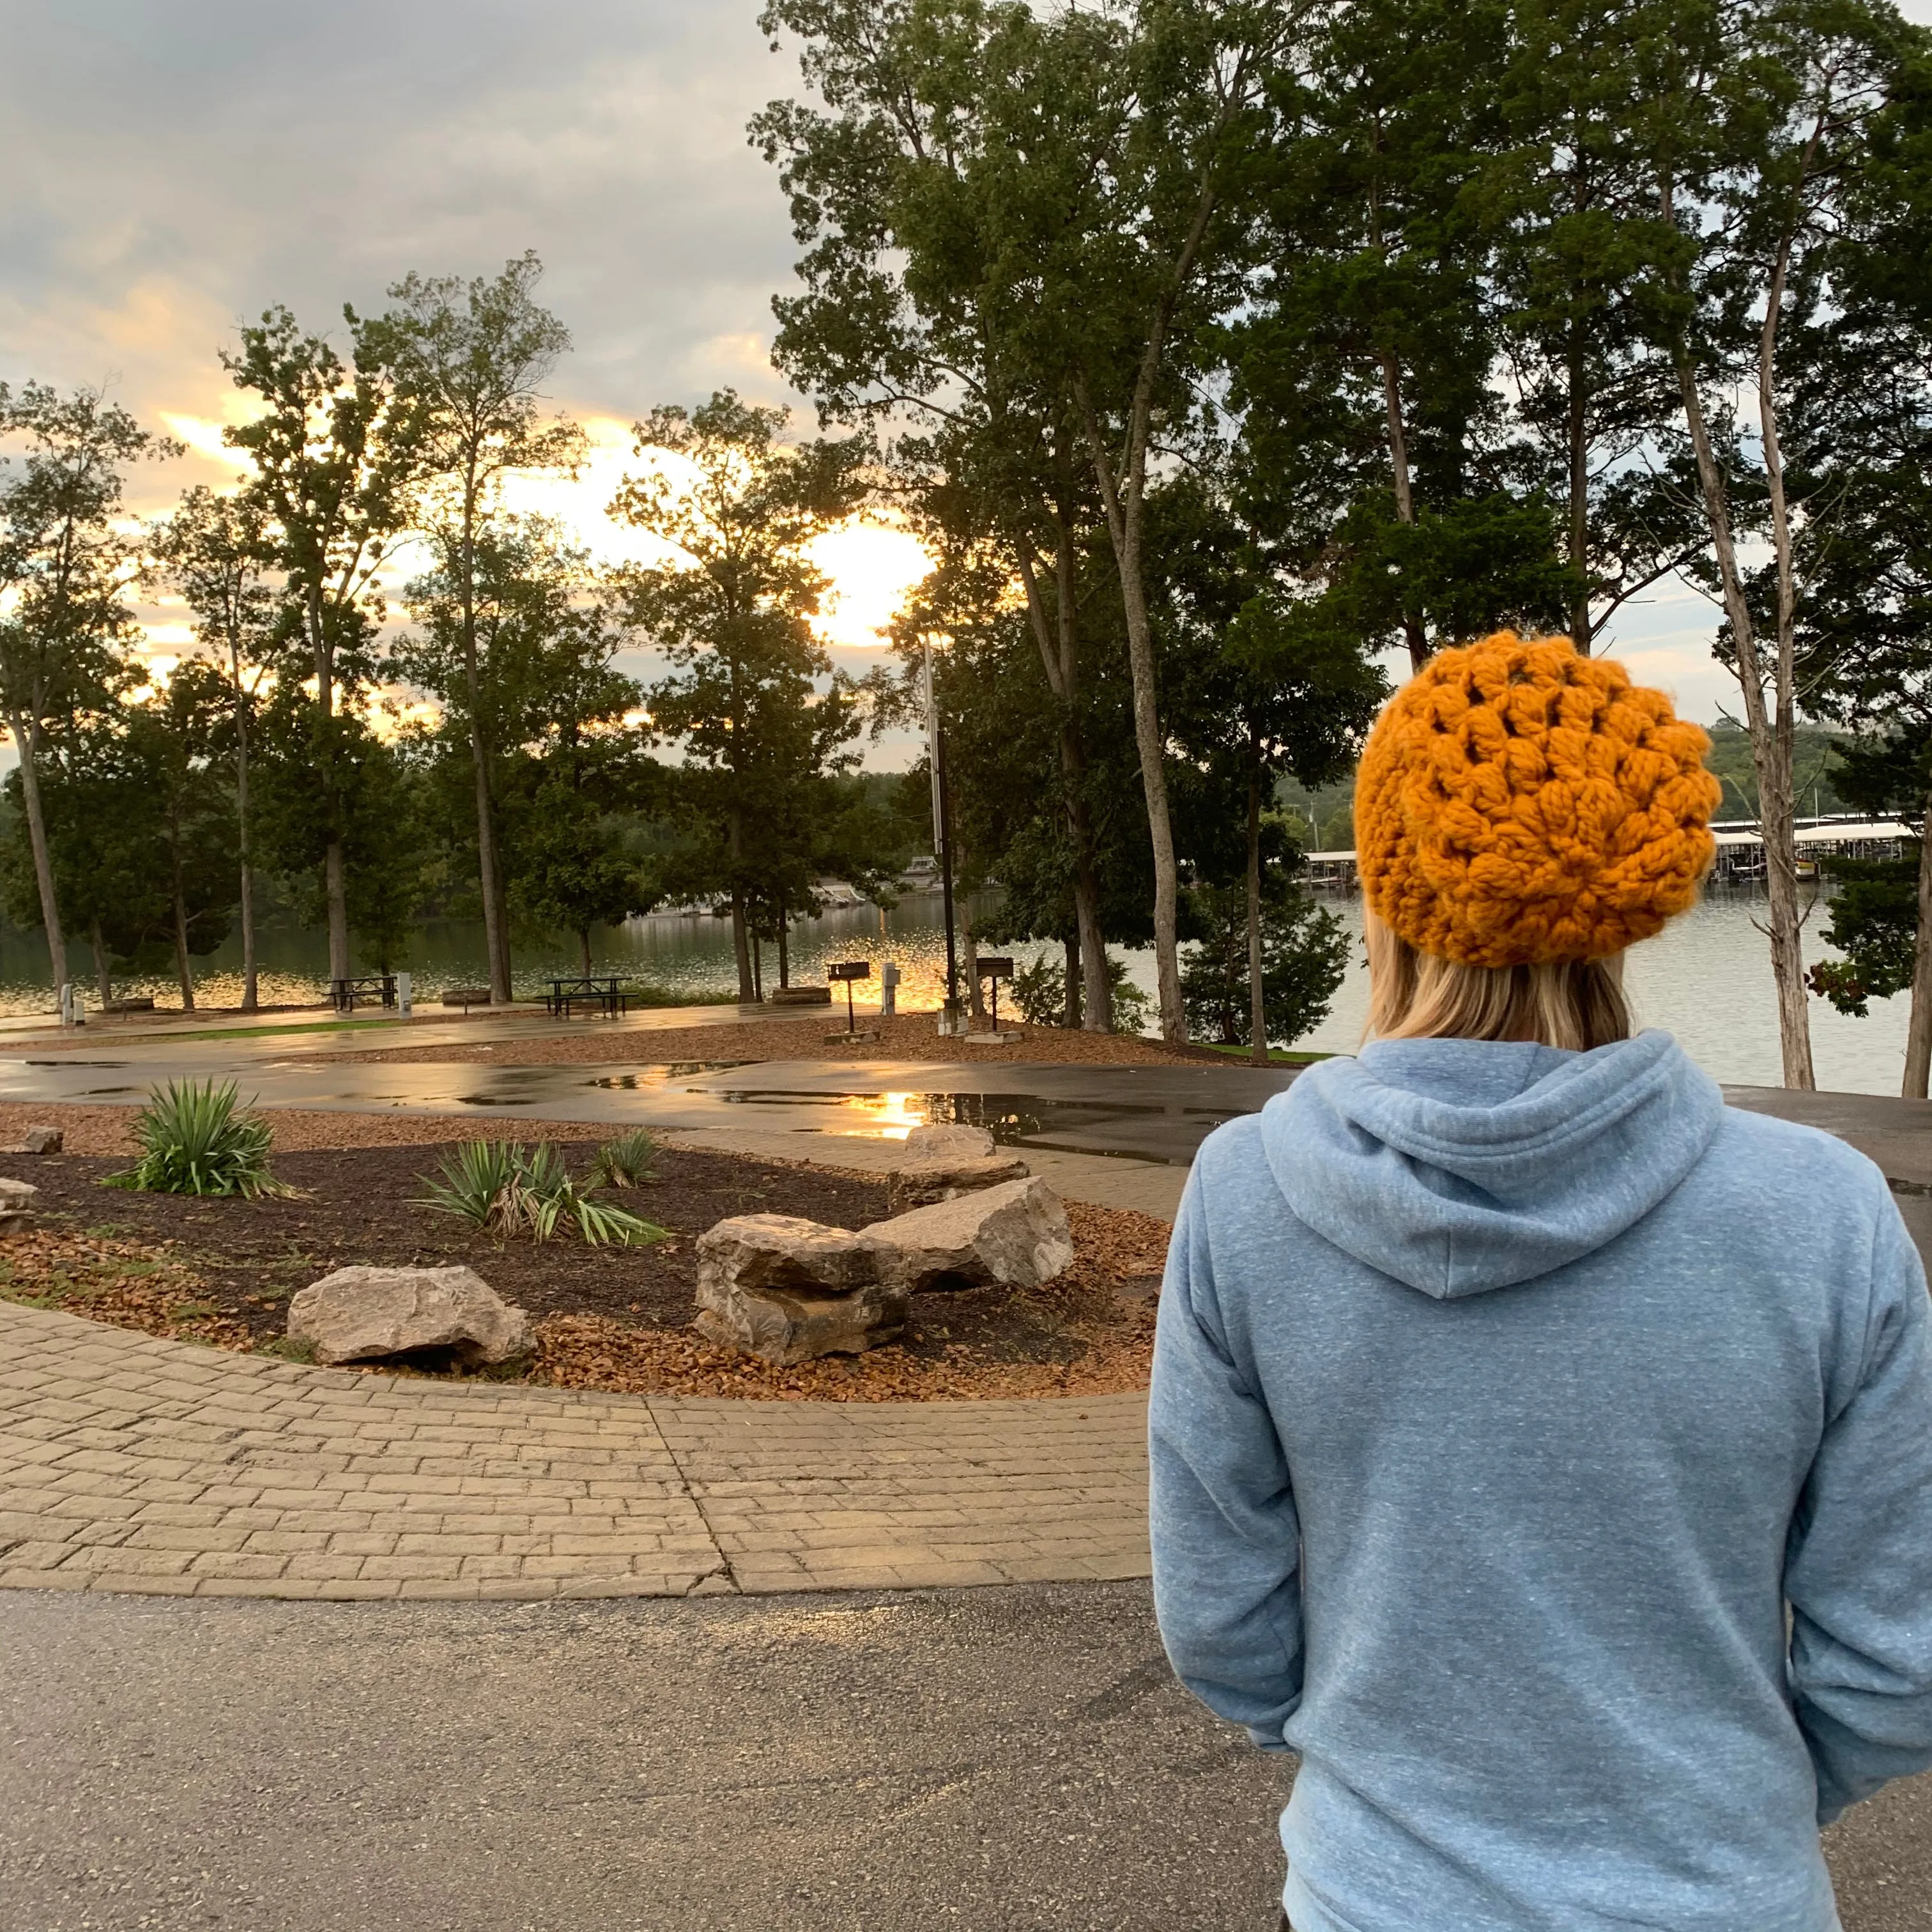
<point x="1071" y="1017"/>
<point x="101" y="977"/>
<point x="489" y="878"/>
<point x="1123" y="507"/>
<point x="334" y="875"/>
<point x="741" y="946"/>
<point x="1056" y="639"/>
<point x="1771" y="755"/>
<point x="27" y="740"/>
<point x="1258" y="1039"/>
<point x="489" y="872"/>
<point x="785" y="947"/>
<point x="1580" y="491"/>
<point x="1918" y="1033"/>
<point x="1413" y="634"/>
<point x="335" y="884"/>
<point x="583" y="948"/>
<point x="250" y="999"/>
<point x="758" y="969"/>
<point x="183" y="971"/>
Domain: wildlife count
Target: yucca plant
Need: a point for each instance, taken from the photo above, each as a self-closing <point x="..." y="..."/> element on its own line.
<point x="510" y="1189"/>
<point x="195" y="1138"/>
<point x="624" y="1162"/>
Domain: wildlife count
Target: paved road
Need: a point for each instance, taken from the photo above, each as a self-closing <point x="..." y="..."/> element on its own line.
<point x="992" y="1761"/>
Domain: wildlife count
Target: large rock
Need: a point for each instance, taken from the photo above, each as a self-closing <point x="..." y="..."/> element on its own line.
<point x="785" y="1289"/>
<point x="1016" y="1234"/>
<point x="949" y="1143"/>
<point x="922" y="1184"/>
<point x="16" y="1205"/>
<point x="364" y="1314"/>
<point x="38" y="1140"/>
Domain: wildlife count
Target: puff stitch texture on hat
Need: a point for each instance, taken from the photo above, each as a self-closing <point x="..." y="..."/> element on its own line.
<point x="1518" y="804"/>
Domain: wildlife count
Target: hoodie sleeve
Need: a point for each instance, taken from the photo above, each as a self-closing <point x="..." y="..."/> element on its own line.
<point x="1858" y="1576"/>
<point x="1226" y="1537"/>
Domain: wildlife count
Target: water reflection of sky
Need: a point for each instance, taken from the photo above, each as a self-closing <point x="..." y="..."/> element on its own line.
<point x="1707" y="980"/>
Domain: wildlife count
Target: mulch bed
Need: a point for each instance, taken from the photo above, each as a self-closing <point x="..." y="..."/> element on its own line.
<point x="905" y="1037"/>
<point x="222" y="1272"/>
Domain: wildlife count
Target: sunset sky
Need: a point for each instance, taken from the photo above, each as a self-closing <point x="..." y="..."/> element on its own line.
<point x="172" y="170"/>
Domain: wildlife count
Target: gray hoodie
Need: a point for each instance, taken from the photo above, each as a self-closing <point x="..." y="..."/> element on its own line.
<point x="1506" y="1402"/>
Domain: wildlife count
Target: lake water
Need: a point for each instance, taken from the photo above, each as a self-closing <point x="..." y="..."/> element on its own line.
<point x="1707" y="978"/>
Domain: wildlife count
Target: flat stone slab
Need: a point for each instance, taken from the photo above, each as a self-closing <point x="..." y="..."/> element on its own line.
<point x="134" y="1464"/>
<point x="925" y="1184"/>
<point x="1016" y="1234"/>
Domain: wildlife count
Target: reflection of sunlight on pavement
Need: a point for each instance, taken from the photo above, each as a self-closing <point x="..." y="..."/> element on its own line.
<point x="891" y="1117"/>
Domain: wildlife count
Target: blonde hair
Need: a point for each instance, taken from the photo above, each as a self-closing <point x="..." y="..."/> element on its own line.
<point x="1577" y="1004"/>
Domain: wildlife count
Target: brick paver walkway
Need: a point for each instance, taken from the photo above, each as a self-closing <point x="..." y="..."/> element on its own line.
<point x="135" y="1464"/>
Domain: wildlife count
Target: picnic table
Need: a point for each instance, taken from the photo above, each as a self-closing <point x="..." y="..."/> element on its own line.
<point x="369" y="988"/>
<point x="606" y="994"/>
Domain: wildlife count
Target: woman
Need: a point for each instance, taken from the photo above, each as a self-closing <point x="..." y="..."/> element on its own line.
<point x="1541" y="1449"/>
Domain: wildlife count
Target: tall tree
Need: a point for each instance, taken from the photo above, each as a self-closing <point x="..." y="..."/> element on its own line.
<point x="1263" y="689"/>
<point x="334" y="463"/>
<point x="469" y="361"/>
<point x="1568" y="208"/>
<point x="1023" y="226"/>
<point x="1858" y="420"/>
<point x="732" y="611"/>
<point x="538" y="631"/>
<point x="64" y="565"/>
<point x="1379" y="458"/>
<point x="1758" y="134"/>
<point x="221" y="555"/>
<point x="902" y="322"/>
<point x="173" y="737"/>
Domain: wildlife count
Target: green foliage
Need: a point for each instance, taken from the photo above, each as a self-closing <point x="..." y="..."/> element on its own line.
<point x="1039" y="991"/>
<point x="733" y="617"/>
<point x="507" y="1188"/>
<point x="1874" y="923"/>
<point x="1304" y="959"/>
<point x="193" y="1140"/>
<point x="624" y="1162"/>
<point x="575" y="871"/>
<point x="1817" y="761"/>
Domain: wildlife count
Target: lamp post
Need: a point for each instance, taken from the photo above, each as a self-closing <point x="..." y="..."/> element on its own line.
<point x="942" y="842"/>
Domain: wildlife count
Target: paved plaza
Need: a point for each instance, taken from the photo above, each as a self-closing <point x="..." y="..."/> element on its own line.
<point x="131" y="1463"/>
<point x="535" y="1659"/>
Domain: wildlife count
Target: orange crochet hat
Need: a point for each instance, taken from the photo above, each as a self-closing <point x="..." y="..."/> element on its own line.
<point x="1517" y="804"/>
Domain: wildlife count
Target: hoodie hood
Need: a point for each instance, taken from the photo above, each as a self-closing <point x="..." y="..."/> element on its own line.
<point x="1460" y="1165"/>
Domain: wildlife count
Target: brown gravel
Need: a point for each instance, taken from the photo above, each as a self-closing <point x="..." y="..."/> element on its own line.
<point x="221" y="1272"/>
<point x="907" y="1036"/>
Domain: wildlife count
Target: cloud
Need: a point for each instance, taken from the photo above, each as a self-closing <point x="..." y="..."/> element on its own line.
<point x="173" y="170"/>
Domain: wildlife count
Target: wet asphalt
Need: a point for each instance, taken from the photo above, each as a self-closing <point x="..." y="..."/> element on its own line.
<point x="987" y="1760"/>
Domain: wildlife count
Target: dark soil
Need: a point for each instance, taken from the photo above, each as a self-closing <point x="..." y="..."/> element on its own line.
<point x="361" y="1206"/>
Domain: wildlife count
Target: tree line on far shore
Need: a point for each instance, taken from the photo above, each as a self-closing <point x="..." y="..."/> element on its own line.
<point x="1214" y="348"/>
<point x="289" y="746"/>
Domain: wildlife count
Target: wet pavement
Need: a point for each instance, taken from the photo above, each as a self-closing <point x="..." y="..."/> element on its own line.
<point x="1158" y="1114"/>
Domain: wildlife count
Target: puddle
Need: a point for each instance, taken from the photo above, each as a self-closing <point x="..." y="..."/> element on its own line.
<point x="674" y="1070"/>
<point x="108" y="1065"/>
<point x="1013" y="1120"/>
<point x="89" y="1093"/>
<point x="494" y="1100"/>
